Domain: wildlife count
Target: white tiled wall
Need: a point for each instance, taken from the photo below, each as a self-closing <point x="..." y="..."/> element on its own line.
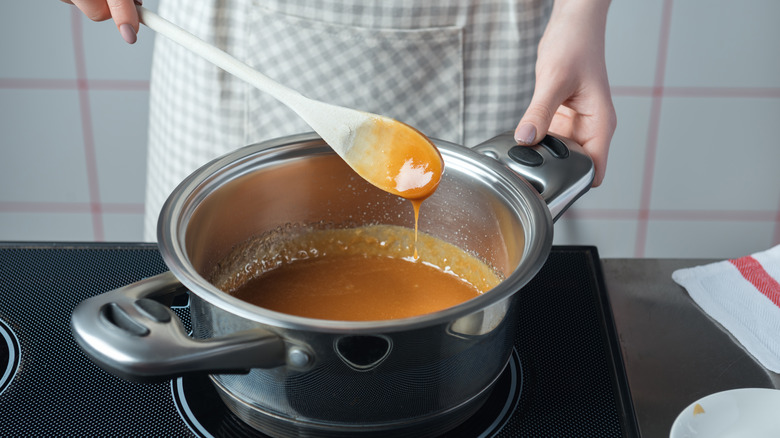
<point x="693" y="167"/>
<point x="74" y="100"/>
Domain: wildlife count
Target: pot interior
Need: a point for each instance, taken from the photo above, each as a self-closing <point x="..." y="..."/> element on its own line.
<point x="480" y="206"/>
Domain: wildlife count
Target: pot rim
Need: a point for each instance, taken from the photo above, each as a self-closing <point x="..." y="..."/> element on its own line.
<point x="181" y="204"/>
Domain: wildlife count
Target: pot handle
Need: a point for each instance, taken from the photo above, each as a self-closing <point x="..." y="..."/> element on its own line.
<point x="128" y="332"/>
<point x="558" y="168"/>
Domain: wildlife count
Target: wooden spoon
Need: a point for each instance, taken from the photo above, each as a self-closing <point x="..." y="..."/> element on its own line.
<point x="387" y="153"/>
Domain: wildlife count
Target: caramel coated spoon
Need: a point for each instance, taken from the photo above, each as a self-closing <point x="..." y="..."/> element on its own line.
<point x="387" y="153"/>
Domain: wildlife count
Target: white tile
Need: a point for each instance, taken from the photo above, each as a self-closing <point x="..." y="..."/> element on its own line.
<point x="612" y="237"/>
<point x="707" y="239"/>
<point x="718" y="154"/>
<point x="123" y="227"/>
<point x="46" y="227"/>
<point x="119" y="124"/>
<point x="632" y="36"/>
<point x="723" y="43"/>
<point x="622" y="185"/>
<point x="109" y="57"/>
<point x="43" y="147"/>
<point x="36" y="41"/>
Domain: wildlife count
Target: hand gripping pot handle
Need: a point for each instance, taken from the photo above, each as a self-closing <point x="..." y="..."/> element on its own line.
<point x="130" y="333"/>
<point x="558" y="168"/>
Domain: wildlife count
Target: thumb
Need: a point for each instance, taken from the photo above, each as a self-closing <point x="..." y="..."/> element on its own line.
<point x="538" y="116"/>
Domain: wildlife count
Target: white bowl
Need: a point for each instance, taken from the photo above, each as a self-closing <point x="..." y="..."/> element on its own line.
<point x="738" y="413"/>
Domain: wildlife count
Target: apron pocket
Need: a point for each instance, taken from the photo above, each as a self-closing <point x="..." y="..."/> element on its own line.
<point x="412" y="75"/>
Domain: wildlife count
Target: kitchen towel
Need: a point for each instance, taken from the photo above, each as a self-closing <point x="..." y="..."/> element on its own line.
<point x="743" y="295"/>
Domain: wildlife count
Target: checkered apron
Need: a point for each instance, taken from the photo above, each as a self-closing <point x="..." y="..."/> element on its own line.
<point x="460" y="71"/>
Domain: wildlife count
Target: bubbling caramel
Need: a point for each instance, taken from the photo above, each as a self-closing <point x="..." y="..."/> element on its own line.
<point x="354" y="274"/>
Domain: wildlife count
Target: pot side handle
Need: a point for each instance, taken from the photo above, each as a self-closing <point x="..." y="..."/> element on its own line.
<point x="132" y="335"/>
<point x="558" y="168"/>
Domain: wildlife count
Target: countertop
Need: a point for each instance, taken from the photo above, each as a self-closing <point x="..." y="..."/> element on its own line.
<point x="674" y="353"/>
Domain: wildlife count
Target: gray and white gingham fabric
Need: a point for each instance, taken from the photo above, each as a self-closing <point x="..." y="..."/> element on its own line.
<point x="460" y="71"/>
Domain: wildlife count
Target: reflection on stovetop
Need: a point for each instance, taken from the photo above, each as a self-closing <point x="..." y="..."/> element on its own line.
<point x="207" y="416"/>
<point x="9" y="355"/>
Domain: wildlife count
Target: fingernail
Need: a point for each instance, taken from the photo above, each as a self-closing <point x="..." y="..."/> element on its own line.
<point x="525" y="133"/>
<point x="128" y="33"/>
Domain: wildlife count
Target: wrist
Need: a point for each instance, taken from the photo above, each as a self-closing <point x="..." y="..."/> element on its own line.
<point x="593" y="12"/>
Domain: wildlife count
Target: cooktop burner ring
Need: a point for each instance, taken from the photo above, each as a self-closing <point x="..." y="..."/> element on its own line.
<point x="10" y="353"/>
<point x="206" y="415"/>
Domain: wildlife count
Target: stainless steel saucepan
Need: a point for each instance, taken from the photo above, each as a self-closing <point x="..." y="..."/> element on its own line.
<point x="287" y="375"/>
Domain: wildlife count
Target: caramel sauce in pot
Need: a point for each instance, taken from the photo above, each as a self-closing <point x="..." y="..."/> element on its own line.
<point x="355" y="274"/>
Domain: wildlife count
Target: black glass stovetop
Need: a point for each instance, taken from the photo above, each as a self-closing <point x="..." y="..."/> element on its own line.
<point x="565" y="378"/>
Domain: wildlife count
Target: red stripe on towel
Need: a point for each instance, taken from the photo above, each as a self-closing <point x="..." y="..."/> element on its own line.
<point x="753" y="272"/>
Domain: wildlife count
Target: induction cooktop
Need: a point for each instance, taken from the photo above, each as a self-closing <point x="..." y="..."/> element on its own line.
<point x="565" y="376"/>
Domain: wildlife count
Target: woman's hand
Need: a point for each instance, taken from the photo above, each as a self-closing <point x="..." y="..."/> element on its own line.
<point x="122" y="11"/>
<point x="572" y="95"/>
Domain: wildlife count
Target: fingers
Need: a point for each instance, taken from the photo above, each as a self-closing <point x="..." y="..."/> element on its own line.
<point x="586" y="116"/>
<point x="122" y="11"/>
<point x="592" y="129"/>
<point x="597" y="146"/>
<point x="126" y="18"/>
<point x="539" y="114"/>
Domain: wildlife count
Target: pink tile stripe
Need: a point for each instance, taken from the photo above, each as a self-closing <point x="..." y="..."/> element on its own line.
<point x="72" y="84"/>
<point x="70" y="207"/>
<point x="753" y="272"/>
<point x="776" y="239"/>
<point x="652" y="136"/>
<point x="675" y="215"/>
<point x="692" y="92"/>
<point x="86" y="125"/>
